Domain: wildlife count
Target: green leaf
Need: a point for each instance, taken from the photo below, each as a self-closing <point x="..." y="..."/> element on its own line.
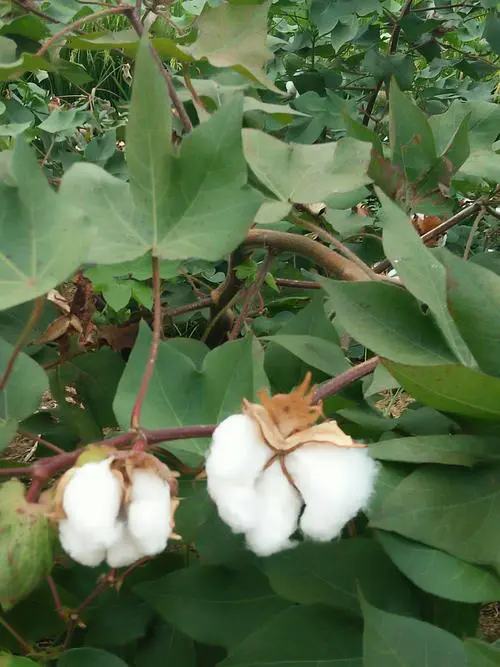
<point x="63" y="120"/>
<point x="16" y="661"/>
<point x="309" y="636"/>
<point x="393" y="641"/>
<point x="451" y="508"/>
<point x="22" y="394"/>
<point x="84" y="657"/>
<point x="480" y="654"/>
<point x="182" y="393"/>
<point x="26" y="62"/>
<point x="492" y="30"/>
<point x="439" y="573"/>
<point x="25" y="544"/>
<point x="450" y="388"/>
<point x="395" y="66"/>
<point x="413" y="261"/>
<point x="329" y="574"/>
<point x="128" y="41"/>
<point x="174" y="205"/>
<point x="213" y="605"/>
<point x="345" y="30"/>
<point x="314" y="351"/>
<point x="166" y="646"/>
<point x="123" y="619"/>
<point x="459" y="450"/>
<point x="235" y="36"/>
<point x="45" y="245"/>
<point x="388" y="321"/>
<point x="474" y="297"/>
<point x="306" y="174"/>
<point x="412" y="143"/>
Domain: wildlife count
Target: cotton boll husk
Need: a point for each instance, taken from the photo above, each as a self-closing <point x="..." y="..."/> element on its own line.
<point x="79" y="546"/>
<point x="92" y="500"/>
<point x="148" y="518"/>
<point x="335" y="483"/>
<point x="124" y="551"/>
<point x="278" y="507"/>
<point x="237" y="452"/>
<point x="236" y="503"/>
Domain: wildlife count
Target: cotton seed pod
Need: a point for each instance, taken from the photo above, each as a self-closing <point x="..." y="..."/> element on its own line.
<point x="124" y="551"/>
<point x="236" y="503"/>
<point x="149" y="512"/>
<point x="335" y="483"/>
<point x="80" y="546"/>
<point x="278" y="508"/>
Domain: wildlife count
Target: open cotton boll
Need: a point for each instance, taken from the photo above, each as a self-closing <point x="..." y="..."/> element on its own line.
<point x="124" y="551"/>
<point x="237" y="452"/>
<point x="236" y="503"/>
<point x="77" y="545"/>
<point x="148" y="518"/>
<point x="278" y="507"/>
<point x="335" y="483"/>
<point x="92" y="500"/>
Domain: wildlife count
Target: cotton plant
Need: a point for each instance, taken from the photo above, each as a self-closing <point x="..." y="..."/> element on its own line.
<point x="273" y="469"/>
<point x="117" y="509"/>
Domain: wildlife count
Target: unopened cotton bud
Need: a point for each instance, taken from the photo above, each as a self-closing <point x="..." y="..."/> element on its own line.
<point x="79" y="546"/>
<point x="91" y="502"/>
<point x="149" y="512"/>
<point x="237" y="452"/>
<point x="278" y="507"/>
<point x="335" y="483"/>
<point x="124" y="551"/>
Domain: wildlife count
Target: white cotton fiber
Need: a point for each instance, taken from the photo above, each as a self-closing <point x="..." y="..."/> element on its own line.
<point x="237" y="452"/>
<point x="91" y="501"/>
<point x="236" y="504"/>
<point x="148" y="517"/>
<point x="124" y="551"/>
<point x="335" y="483"/>
<point x="79" y="546"/>
<point x="278" y="507"/>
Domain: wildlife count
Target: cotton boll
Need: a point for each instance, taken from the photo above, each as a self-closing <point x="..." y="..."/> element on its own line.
<point x="148" y="518"/>
<point x="92" y="500"/>
<point x="77" y="545"/>
<point x="236" y="504"/>
<point x="124" y="551"/>
<point x="238" y="452"/>
<point x="278" y="507"/>
<point x="335" y="483"/>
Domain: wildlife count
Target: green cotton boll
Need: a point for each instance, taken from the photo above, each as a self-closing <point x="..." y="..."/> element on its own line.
<point x="25" y="544"/>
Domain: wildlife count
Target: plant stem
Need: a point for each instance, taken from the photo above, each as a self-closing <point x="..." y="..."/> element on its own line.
<point x="437" y="231"/>
<point x="189" y="85"/>
<point x="23" y="339"/>
<point x="345" y="379"/>
<point x="42" y="441"/>
<point x="473" y="231"/>
<point x="32" y="10"/>
<point x="135" y="417"/>
<point x="57" y="600"/>
<point x="103" y="583"/>
<point x="22" y="642"/>
<point x="205" y="302"/>
<point x="329" y="238"/>
<point x="119" y="9"/>
<point x="297" y="284"/>
<point x="164" y="71"/>
<point x="252" y="292"/>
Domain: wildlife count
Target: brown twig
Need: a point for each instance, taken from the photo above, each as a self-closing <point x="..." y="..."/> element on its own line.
<point x="205" y="302"/>
<point x="23" y="339"/>
<point x="332" y="262"/>
<point x="164" y="71"/>
<point x="345" y="379"/>
<point x="492" y="212"/>
<point x="57" y="600"/>
<point x="473" y="231"/>
<point x="297" y="284"/>
<point x="251" y="293"/>
<point x="119" y="9"/>
<point x="437" y="231"/>
<point x="103" y="583"/>
<point x="393" y="45"/>
<point x="329" y="238"/>
<point x="32" y="10"/>
<point x="189" y="85"/>
<point x="42" y="441"/>
<point x="135" y="417"/>
<point x="22" y="642"/>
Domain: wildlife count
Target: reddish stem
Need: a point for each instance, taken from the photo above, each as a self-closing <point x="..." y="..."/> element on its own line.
<point x="23" y="339"/>
<point x="343" y="380"/>
<point x="42" y="441"/>
<point x="22" y="642"/>
<point x="135" y="417"/>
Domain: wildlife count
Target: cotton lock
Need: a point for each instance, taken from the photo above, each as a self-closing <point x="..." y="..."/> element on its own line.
<point x="272" y="470"/>
<point x="116" y="509"/>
